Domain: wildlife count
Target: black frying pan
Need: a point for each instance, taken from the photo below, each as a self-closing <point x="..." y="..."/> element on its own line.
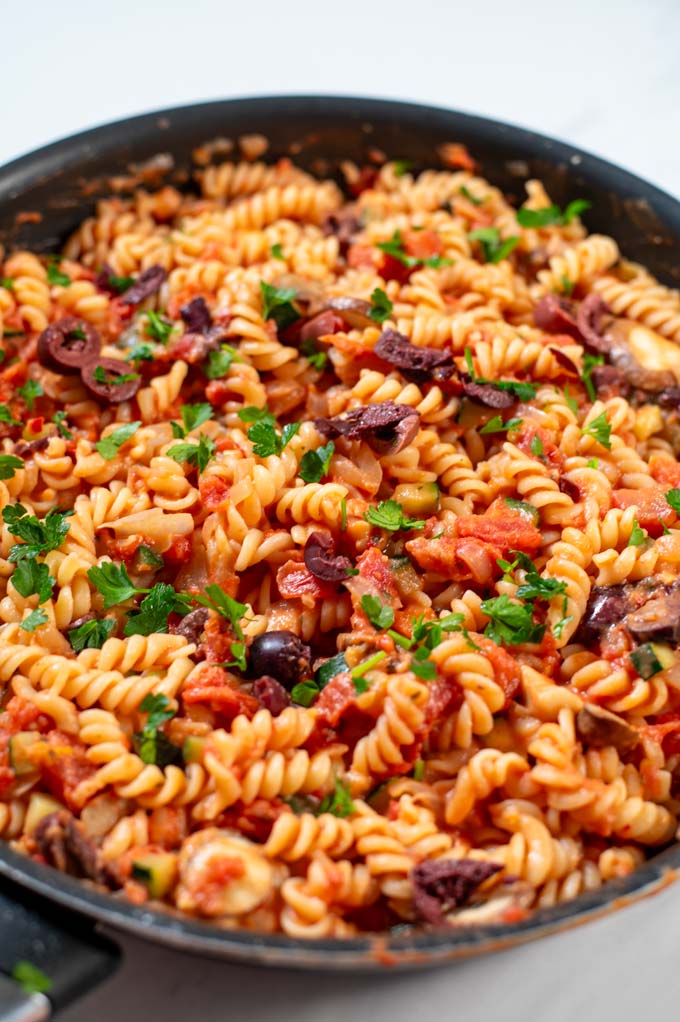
<point x="49" y="918"/>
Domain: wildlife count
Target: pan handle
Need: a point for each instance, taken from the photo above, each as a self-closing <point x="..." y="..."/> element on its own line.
<point x="62" y="944"/>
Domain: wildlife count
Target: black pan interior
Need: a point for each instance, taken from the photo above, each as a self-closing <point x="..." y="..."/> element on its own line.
<point x="61" y="183"/>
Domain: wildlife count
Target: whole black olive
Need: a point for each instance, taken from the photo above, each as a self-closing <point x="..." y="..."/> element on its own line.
<point x="281" y="655"/>
<point x="67" y="345"/>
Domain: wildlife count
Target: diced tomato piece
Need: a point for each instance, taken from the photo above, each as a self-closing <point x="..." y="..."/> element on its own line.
<point x="374" y="569"/>
<point x="455" y="154"/>
<point x="425" y="244"/>
<point x="212" y="687"/>
<point x="338" y="695"/>
<point x="666" y="473"/>
<point x="179" y="551"/>
<point x="20" y="715"/>
<point x="665" y="731"/>
<point x="217" y="392"/>
<point x="551" y="454"/>
<point x="64" y="765"/>
<point x="505" y="668"/>
<point x="295" y="580"/>
<point x="653" y="509"/>
<point x="213" y="490"/>
<point x="363" y="257"/>
<point x="445" y="696"/>
<point x="254" y="821"/>
<point x="366" y="179"/>
<point x="391" y="268"/>
<point x="168" y="826"/>
<point x="502" y="527"/>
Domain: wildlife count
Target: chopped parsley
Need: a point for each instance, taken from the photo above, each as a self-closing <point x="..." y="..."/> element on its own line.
<point x="193" y="416"/>
<point x="567" y="286"/>
<point x="381" y="306"/>
<point x="32" y="979"/>
<point x="571" y="402"/>
<point x="395" y="248"/>
<point x="317" y="359"/>
<point x="194" y="454"/>
<point x="536" y="446"/>
<point x="30" y="390"/>
<point x="467" y="194"/>
<point x="154" y="610"/>
<point x="31" y="578"/>
<point x="401" y="167"/>
<point x="589" y="363"/>
<point x="493" y="249"/>
<point x="305" y="692"/>
<point x="216" y="599"/>
<point x="314" y="465"/>
<point x="637" y="536"/>
<point x="338" y="802"/>
<point x="418" y="770"/>
<point x="521" y="391"/>
<point x="422" y="666"/>
<point x="6" y="416"/>
<point x="673" y="500"/>
<point x="59" y="418"/>
<point x="357" y="673"/>
<point x="149" y="557"/>
<point x="151" y="743"/>
<point x="343" y="514"/>
<point x="497" y="425"/>
<point x="158" y="327"/>
<point x="111" y="379"/>
<point x="379" y="614"/>
<point x="7" y="283"/>
<point x="34" y="620"/>
<point x="276" y="252"/>
<point x="109" y="445"/>
<point x="511" y="623"/>
<point x="92" y="634"/>
<point x="592" y="463"/>
<point x="263" y="434"/>
<point x="389" y="514"/>
<point x="277" y="304"/>
<point x="219" y="362"/>
<point x="140" y="353"/>
<point x="113" y="582"/>
<point x="120" y="284"/>
<point x="39" y="537"/>
<point x="9" y="463"/>
<point x="54" y="274"/>
<point x="550" y="215"/>
<point x="600" y="430"/>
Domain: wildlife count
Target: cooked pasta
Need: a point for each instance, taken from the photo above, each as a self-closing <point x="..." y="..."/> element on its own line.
<point x="340" y="551"/>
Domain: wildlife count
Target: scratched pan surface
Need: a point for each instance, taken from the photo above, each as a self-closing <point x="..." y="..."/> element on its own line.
<point x="62" y="183"/>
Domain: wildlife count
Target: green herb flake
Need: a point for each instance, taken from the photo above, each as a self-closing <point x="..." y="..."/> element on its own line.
<point x="567" y="286"/>
<point x="401" y="167"/>
<point x="367" y="665"/>
<point x="277" y="304"/>
<point x="592" y="463"/>
<point x="379" y="614"/>
<point x="673" y="500"/>
<point x="9" y="464"/>
<point x="589" y="363"/>
<point x="198" y="454"/>
<point x="551" y="215"/>
<point x="395" y="248"/>
<point x="54" y="274"/>
<point x="34" y="620"/>
<point x="637" y="536"/>
<point x="6" y="416"/>
<point x="536" y="446"/>
<point x="39" y="537"/>
<point x="467" y="194"/>
<point x="600" y="430"/>
<point x="219" y="362"/>
<point x="154" y="610"/>
<point x="140" y="353"/>
<point x="109" y="446"/>
<point x="571" y="402"/>
<point x="7" y="283"/>
<point x="158" y="327"/>
<point x="92" y="634"/>
<point x="32" y="979"/>
<point x="314" y="465"/>
<point x="31" y="578"/>
<point x="113" y="582"/>
<point x="111" y="379"/>
<point x="511" y="623"/>
<point x="343" y="514"/>
<point x="519" y="389"/>
<point x="304" y="693"/>
<point x="497" y="425"/>
<point x="316" y="358"/>
<point x="493" y="249"/>
<point x="216" y="599"/>
<point x="59" y="419"/>
<point x="30" y="390"/>
<point x="152" y="745"/>
<point x="120" y="284"/>
<point x="381" y="306"/>
<point x="339" y="802"/>
<point x="389" y="514"/>
<point x="276" y="252"/>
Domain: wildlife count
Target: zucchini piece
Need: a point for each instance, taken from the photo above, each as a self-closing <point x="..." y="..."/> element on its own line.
<point x="417" y="498"/>
<point x="193" y="749"/>
<point x="20" y="752"/>
<point x="157" y="871"/>
<point x="523" y="508"/>
<point x="405" y="576"/>
<point x="39" y="806"/>
<point x="336" y="665"/>
<point x="651" y="658"/>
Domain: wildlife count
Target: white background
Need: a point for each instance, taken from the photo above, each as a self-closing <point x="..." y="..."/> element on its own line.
<point x="604" y="75"/>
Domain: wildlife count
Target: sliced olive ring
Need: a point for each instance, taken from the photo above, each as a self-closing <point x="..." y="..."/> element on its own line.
<point x="110" y="379"/>
<point x="67" y="345"/>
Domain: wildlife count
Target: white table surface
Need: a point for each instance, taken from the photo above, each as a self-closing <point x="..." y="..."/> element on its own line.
<point x="605" y="76"/>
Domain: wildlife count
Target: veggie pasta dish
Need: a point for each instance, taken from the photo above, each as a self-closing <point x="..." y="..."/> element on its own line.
<point x="340" y="550"/>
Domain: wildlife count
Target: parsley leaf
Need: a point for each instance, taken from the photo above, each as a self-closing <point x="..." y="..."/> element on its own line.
<point x="148" y="556"/>
<point x="637" y="536"/>
<point x="314" y="465"/>
<point x="59" y="418"/>
<point x="567" y="286"/>
<point x="31" y="578"/>
<point x="574" y="209"/>
<point x="343" y="514"/>
<point x="6" y="416"/>
<point x="263" y="434"/>
<point x="673" y="500"/>
<point x="339" y="802"/>
<point x="195" y="454"/>
<point x="253" y="414"/>
<point x="379" y="614"/>
<point x="7" y="283"/>
<point x="219" y="362"/>
<point x="401" y="167"/>
<point x="30" y="391"/>
<point x="277" y="304"/>
<point x="152" y="744"/>
<point x="276" y="252"/>
<point x="535" y="587"/>
<point x="552" y="214"/>
<point x="140" y="353"/>
<point x="111" y="379"/>
<point x="9" y="463"/>
<point x="493" y="249"/>
<point x="589" y="363"/>
<point x="109" y="445"/>
<point x="467" y="194"/>
<point x="216" y="599"/>
<point x="238" y="651"/>
<point x="54" y="274"/>
<point x="496" y="425"/>
<point x="154" y="610"/>
<point x="381" y="306"/>
<point x="600" y="430"/>
<point x="511" y="623"/>
<point x="39" y="537"/>
<point x="92" y="634"/>
<point x="317" y="359"/>
<point x="113" y="582"/>
<point x="194" y="416"/>
<point x="389" y="514"/>
<point x="572" y="403"/>
<point x="592" y="463"/>
<point x="422" y="666"/>
<point x="536" y="446"/>
<point x="32" y="979"/>
<point x="158" y="327"/>
<point x="34" y="620"/>
<point x="120" y="284"/>
<point x="304" y="693"/>
<point x="395" y="248"/>
<point x="522" y="391"/>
